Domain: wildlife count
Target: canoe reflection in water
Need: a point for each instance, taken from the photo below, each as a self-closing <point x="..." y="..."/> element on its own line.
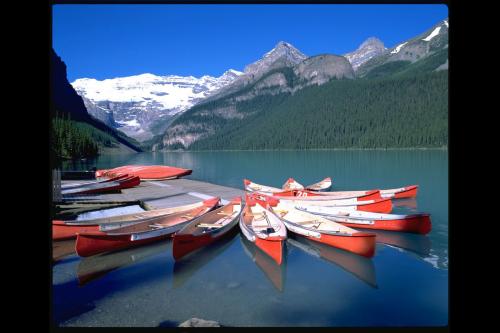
<point x="410" y="203"/>
<point x="91" y="268"/>
<point x="361" y="267"/>
<point x="418" y="244"/>
<point x="274" y="272"/>
<point x="188" y="265"/>
<point x="62" y="249"/>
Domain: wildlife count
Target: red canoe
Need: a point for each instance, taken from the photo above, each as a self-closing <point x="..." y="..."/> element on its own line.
<point x="76" y="185"/>
<point x="415" y="223"/>
<point x="68" y="229"/>
<point x="374" y="205"/>
<point x="101" y="187"/>
<point x="206" y="229"/>
<point x="263" y="229"/>
<point x="366" y="195"/>
<point x="320" y="229"/>
<point x="292" y="184"/>
<point x="144" y="232"/>
<point x="146" y="172"/>
<point x="394" y="193"/>
<point x="312" y="195"/>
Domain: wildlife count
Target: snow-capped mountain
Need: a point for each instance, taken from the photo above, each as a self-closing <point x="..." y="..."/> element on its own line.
<point x="433" y="39"/>
<point x="370" y="48"/>
<point x="137" y="102"/>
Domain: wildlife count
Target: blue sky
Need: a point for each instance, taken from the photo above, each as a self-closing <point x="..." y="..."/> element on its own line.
<point x="107" y="41"/>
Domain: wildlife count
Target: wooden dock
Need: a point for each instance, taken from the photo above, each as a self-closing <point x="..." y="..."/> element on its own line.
<point x="166" y="193"/>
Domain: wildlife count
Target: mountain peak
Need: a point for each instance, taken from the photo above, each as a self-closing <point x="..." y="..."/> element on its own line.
<point x="370" y="48"/>
<point x="373" y="42"/>
<point x="283" y="53"/>
<point x="284" y="48"/>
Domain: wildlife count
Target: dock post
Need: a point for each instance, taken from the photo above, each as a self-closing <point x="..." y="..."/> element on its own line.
<point x="56" y="185"/>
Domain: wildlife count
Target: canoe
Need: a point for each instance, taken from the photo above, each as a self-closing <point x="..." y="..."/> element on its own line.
<point x="144" y="232"/>
<point x="76" y="185"/>
<point x="394" y="193"/>
<point x="263" y="229"/>
<point x="314" y="195"/>
<point x="323" y="185"/>
<point x="368" y="195"/>
<point x="115" y="185"/>
<point x="68" y="229"/>
<point x="206" y="229"/>
<point x="374" y="205"/>
<point x="254" y="187"/>
<point x="414" y="223"/>
<point x="292" y="184"/>
<point x="320" y="229"/>
<point x="146" y="172"/>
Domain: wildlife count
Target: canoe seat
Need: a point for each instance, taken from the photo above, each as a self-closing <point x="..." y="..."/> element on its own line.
<point x="209" y="225"/>
<point x="315" y="224"/>
<point x="156" y="226"/>
<point x="224" y="213"/>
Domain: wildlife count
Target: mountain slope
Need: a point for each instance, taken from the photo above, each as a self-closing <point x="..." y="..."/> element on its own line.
<point x="389" y="112"/>
<point x="431" y="41"/>
<point x="210" y="116"/>
<point x="397" y="97"/>
<point x="134" y="104"/>
<point x="67" y="104"/>
<point x="370" y="48"/>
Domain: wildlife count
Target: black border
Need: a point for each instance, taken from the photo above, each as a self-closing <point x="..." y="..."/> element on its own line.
<point x="455" y="315"/>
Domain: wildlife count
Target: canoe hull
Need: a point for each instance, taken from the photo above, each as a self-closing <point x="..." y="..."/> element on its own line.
<point x="418" y="224"/>
<point x="89" y="244"/>
<point x="359" y="243"/>
<point x="62" y="231"/>
<point x="272" y="246"/>
<point x="146" y="172"/>
<point x="379" y="206"/>
<point x="185" y="244"/>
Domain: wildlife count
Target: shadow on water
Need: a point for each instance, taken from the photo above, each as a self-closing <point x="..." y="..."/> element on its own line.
<point x="185" y="268"/>
<point x="274" y="272"/>
<point x="361" y="267"/>
<point x="92" y="268"/>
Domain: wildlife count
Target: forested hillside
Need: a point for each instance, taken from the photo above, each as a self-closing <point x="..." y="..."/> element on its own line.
<point x="394" y="111"/>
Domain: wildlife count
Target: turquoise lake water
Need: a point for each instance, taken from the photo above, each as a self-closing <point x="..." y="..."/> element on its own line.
<point x="232" y="282"/>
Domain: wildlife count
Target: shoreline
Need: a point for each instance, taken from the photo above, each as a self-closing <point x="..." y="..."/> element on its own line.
<point x="277" y="150"/>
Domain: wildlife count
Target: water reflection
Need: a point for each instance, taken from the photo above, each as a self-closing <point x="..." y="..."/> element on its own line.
<point x="410" y="203"/>
<point x="274" y="272"/>
<point x="185" y="268"/>
<point x="91" y="268"/>
<point x="361" y="267"/>
<point x="61" y="249"/>
<point x="416" y="243"/>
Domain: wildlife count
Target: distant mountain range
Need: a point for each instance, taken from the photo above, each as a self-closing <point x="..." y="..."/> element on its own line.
<point x="174" y="112"/>
<point x="372" y="97"/>
<point x="133" y="104"/>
